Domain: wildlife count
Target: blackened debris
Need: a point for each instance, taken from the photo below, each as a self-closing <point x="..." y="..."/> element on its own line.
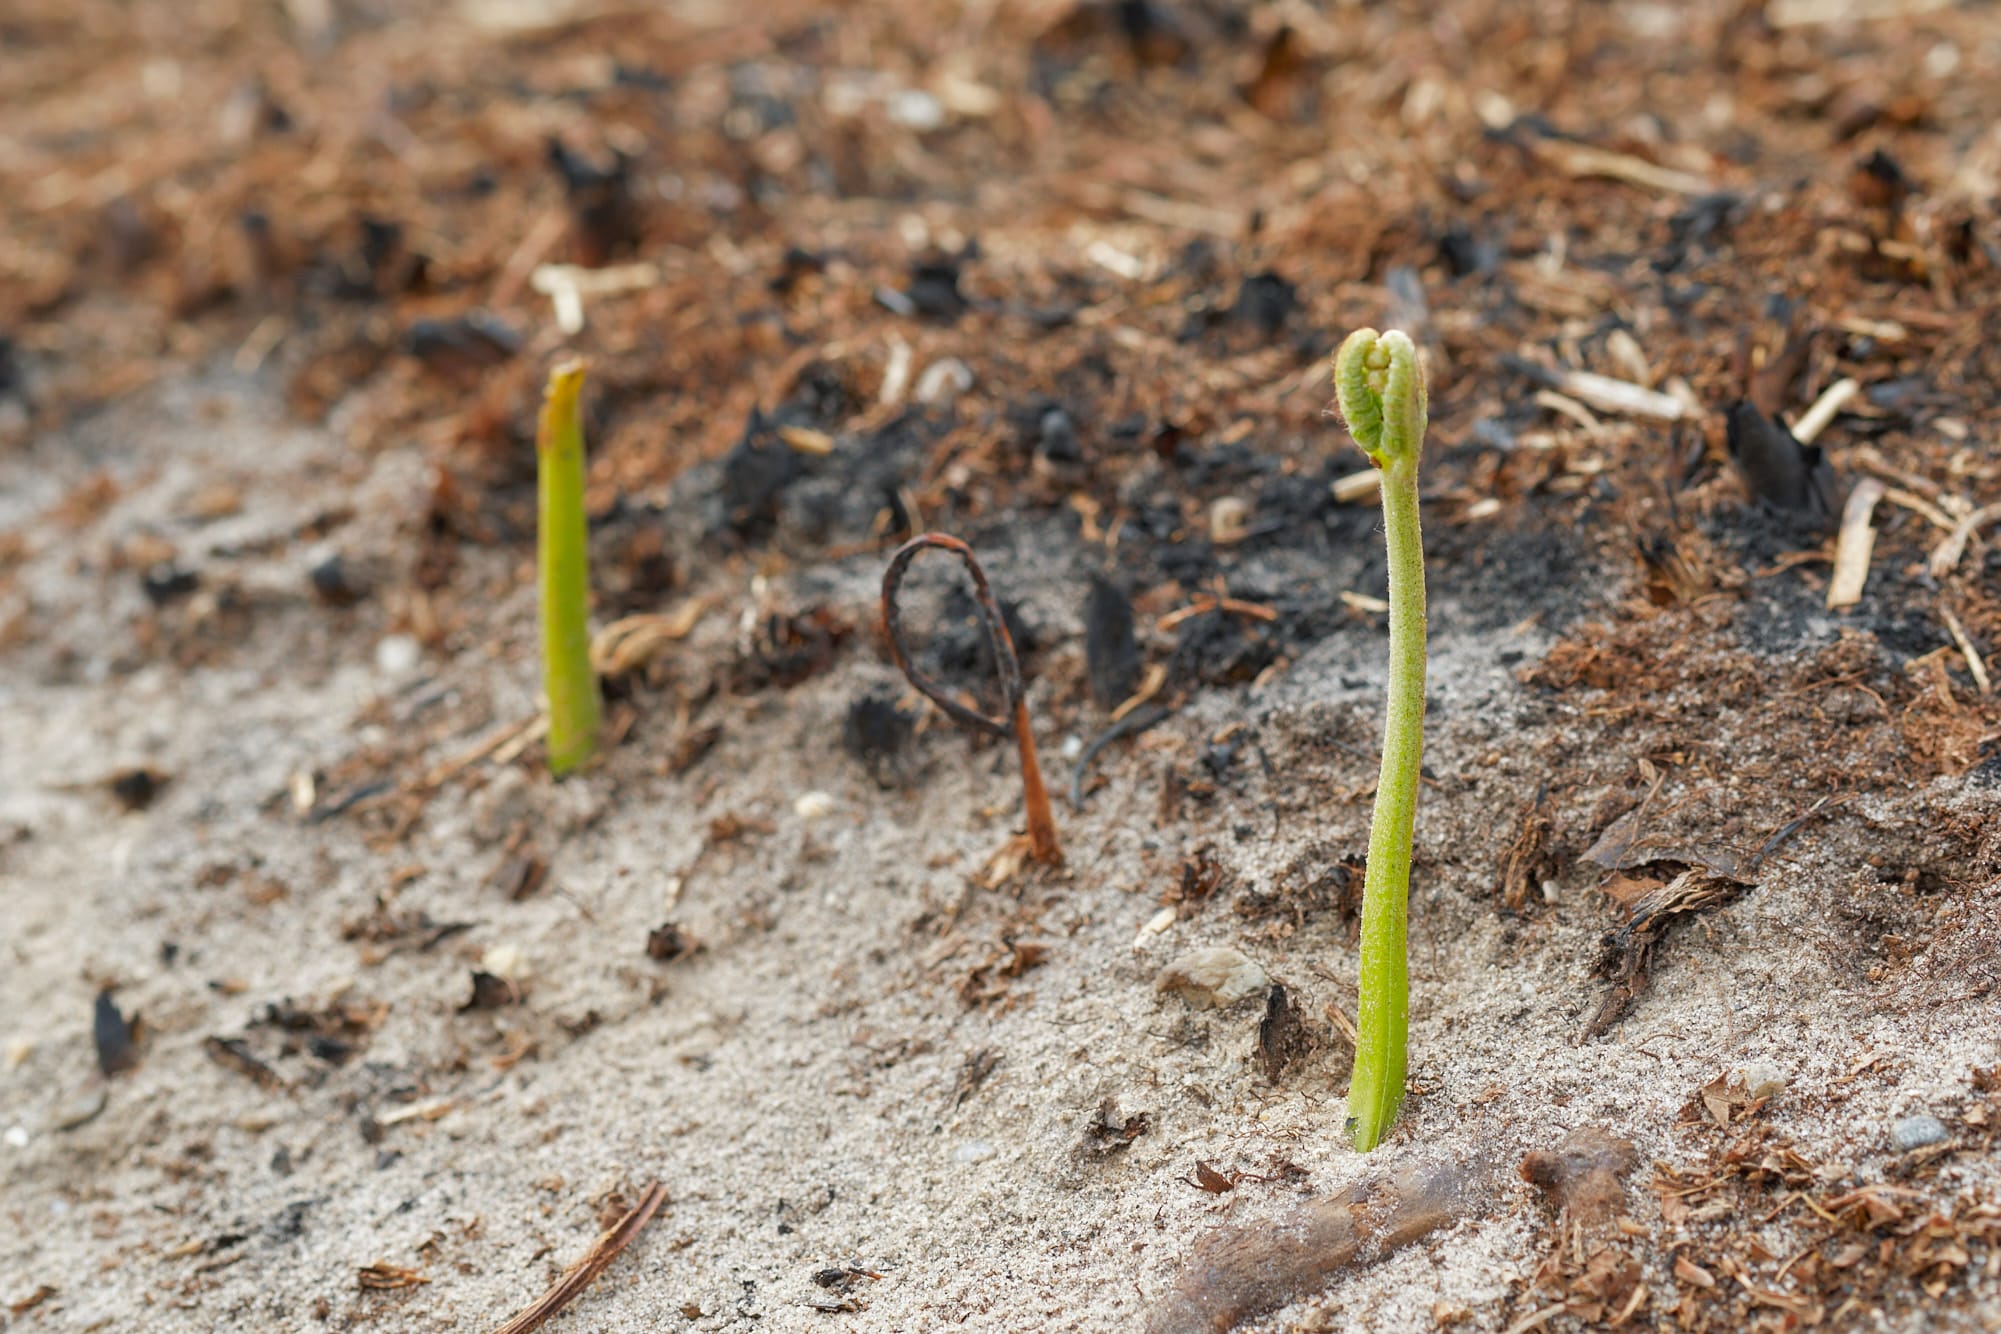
<point x="1881" y="182"/>
<point x="755" y="475"/>
<point x="876" y="732"/>
<point x="381" y="264"/>
<point x="794" y="268"/>
<point x="332" y="1050"/>
<point x="1218" y="648"/>
<point x="167" y="582"/>
<point x="1702" y="222"/>
<point x="1465" y="253"/>
<point x="1283" y="1036"/>
<point x="381" y="243"/>
<point x="1780" y="472"/>
<point x="637" y="570"/>
<point x="933" y="290"/>
<point x="1154" y="32"/>
<point x="1059" y="455"/>
<point x="1265" y="301"/>
<point x="135" y="788"/>
<point x="604" y="213"/>
<point x="11" y="377"/>
<point x="823" y="394"/>
<point x="490" y="992"/>
<point x="335" y="584"/>
<point x="114" y="1035"/>
<point x="462" y="348"/>
<point x="1111" y="648"/>
<point x="959" y="650"/>
<point x="786" y="650"/>
<point x="235" y="1054"/>
<point x="668" y="941"/>
<point x="1202" y="874"/>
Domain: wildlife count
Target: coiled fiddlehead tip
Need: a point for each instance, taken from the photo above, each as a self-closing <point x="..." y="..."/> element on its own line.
<point x="1380" y="387"/>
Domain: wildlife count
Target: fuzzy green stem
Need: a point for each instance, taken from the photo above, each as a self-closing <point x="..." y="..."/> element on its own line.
<point x="1382" y="396"/>
<point x="563" y="556"/>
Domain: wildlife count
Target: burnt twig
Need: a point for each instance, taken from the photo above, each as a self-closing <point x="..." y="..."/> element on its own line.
<point x="1139" y="720"/>
<point x="1041" y="825"/>
<point x="579" y="1275"/>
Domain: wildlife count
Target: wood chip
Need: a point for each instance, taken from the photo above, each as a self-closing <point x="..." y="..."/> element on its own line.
<point x="1853" y="547"/>
<point x="1356" y="487"/>
<point x="1946" y="555"/>
<point x="805" y="440"/>
<point x="1832" y="400"/>
<point x="628" y="644"/>
<point x="1967" y="651"/>
<point x="1565" y="406"/>
<point x="1362" y="602"/>
<point x="1575" y="159"/>
<point x="1602" y="391"/>
<point x="1149" y="686"/>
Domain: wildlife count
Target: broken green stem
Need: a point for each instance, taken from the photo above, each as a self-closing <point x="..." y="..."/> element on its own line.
<point x="563" y="557"/>
<point x="1383" y="398"/>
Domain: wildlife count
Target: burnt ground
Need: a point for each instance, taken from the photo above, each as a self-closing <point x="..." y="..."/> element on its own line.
<point x="1703" y="863"/>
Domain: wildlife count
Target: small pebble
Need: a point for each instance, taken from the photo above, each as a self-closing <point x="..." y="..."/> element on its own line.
<point x="17" y="1137"/>
<point x="1229" y="520"/>
<point x="335" y="584"/>
<point x="915" y="109"/>
<point x="1915" y="1132"/>
<point x="1218" y="976"/>
<point x="1762" y="1079"/>
<point x="813" y="805"/>
<point x="506" y="962"/>
<point x="397" y="655"/>
<point x="973" y="1151"/>
<point x="943" y="381"/>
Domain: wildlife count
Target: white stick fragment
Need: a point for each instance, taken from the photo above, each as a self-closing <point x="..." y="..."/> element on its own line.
<point x="895" y="375"/>
<point x="566" y="286"/>
<point x="1832" y="400"/>
<point x="1357" y="487"/>
<point x="1609" y="395"/>
<point x="1802" y="13"/>
<point x="1584" y="160"/>
<point x="1624" y="349"/>
<point x="1945" y="556"/>
<point x="1565" y="406"/>
<point x="1853" y="547"/>
<point x="1967" y="651"/>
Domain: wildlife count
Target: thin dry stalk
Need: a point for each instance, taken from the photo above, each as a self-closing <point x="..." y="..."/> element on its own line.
<point x="1035" y="797"/>
<point x="581" y="1274"/>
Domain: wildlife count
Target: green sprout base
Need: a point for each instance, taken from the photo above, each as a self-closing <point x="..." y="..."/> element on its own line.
<point x="1381" y="391"/>
<point x="563" y="557"/>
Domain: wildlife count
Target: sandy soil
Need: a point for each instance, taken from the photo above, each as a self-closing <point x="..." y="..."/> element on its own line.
<point x="1702" y="865"/>
<point x="801" y="1085"/>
